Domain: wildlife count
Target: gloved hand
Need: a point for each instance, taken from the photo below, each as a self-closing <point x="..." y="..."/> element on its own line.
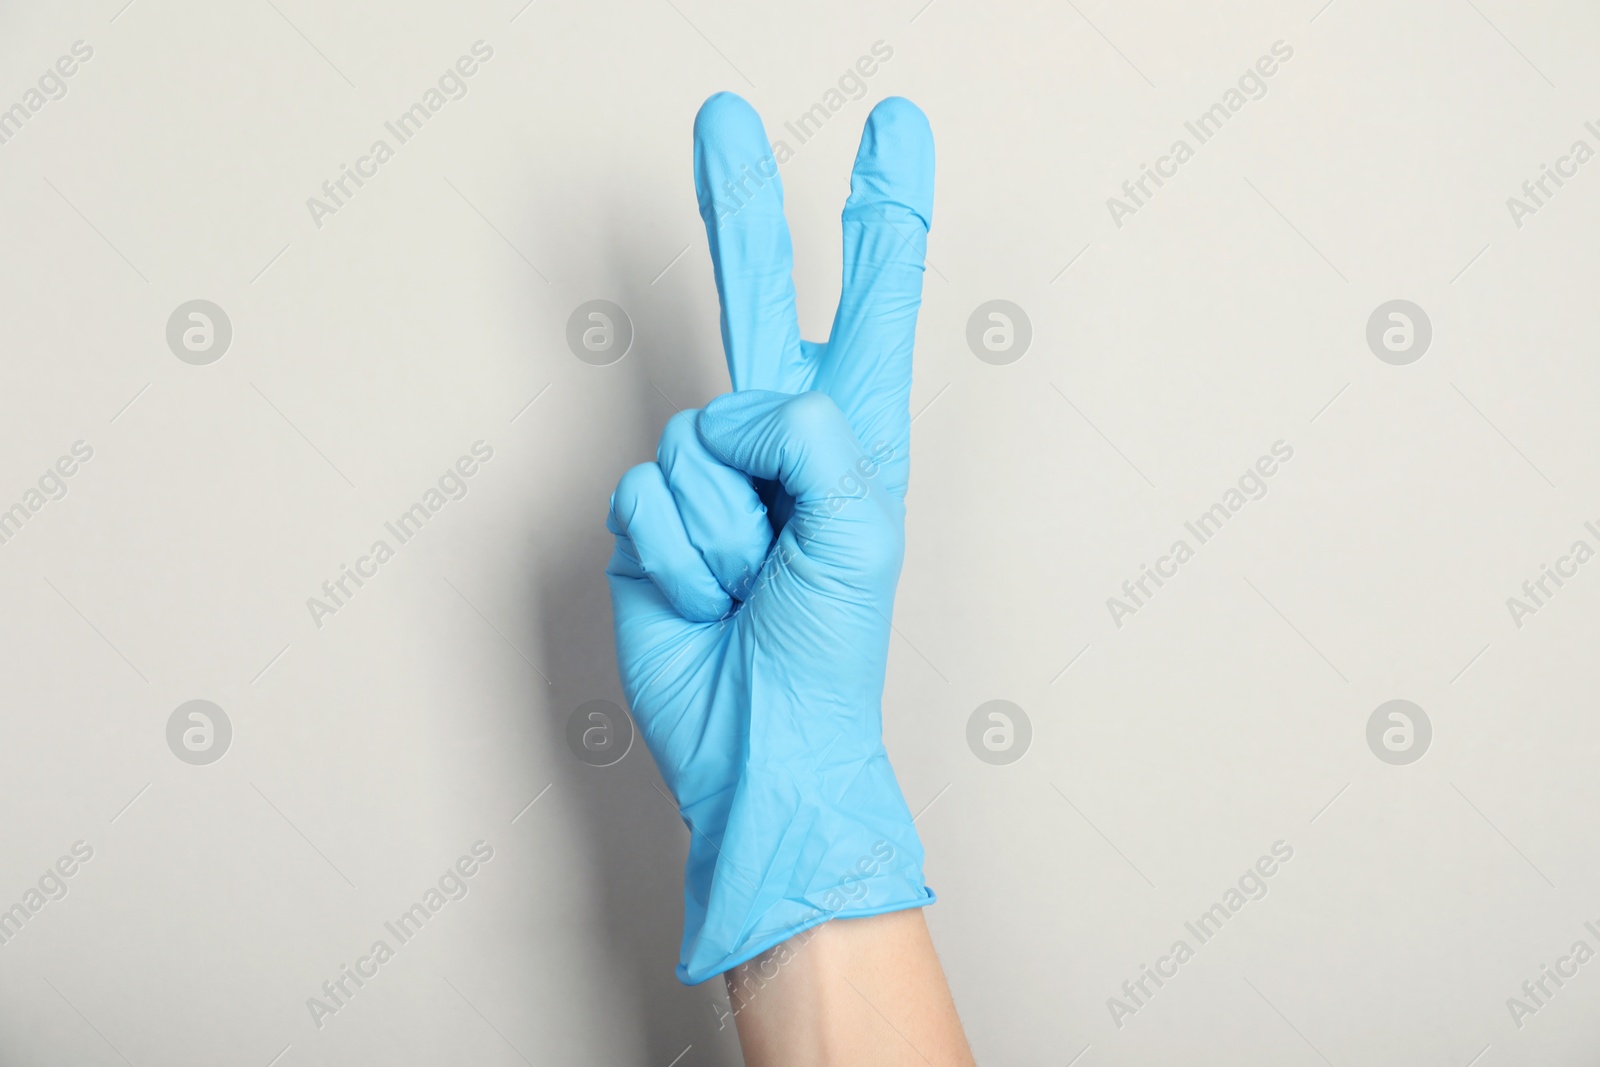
<point x="756" y="560"/>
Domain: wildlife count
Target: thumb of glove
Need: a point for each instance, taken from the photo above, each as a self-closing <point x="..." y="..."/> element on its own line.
<point x="805" y="443"/>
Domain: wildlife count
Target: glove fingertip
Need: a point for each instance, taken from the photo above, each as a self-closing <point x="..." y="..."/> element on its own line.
<point x="895" y="162"/>
<point x="729" y="141"/>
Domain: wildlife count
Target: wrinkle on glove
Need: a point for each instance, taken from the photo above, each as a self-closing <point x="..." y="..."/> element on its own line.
<point x="815" y="871"/>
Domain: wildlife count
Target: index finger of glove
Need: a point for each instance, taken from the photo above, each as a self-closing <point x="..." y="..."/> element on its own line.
<point x="741" y="200"/>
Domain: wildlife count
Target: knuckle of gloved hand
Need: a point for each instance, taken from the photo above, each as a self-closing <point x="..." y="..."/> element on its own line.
<point x="678" y="437"/>
<point x="813" y="418"/>
<point x="632" y="485"/>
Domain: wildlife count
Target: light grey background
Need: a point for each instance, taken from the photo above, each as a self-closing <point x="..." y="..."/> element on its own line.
<point x="1167" y="355"/>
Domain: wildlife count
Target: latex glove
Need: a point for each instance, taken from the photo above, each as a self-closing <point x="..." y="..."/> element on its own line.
<point x="756" y="561"/>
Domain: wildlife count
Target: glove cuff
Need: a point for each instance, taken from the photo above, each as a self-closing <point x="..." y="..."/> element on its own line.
<point x="795" y="848"/>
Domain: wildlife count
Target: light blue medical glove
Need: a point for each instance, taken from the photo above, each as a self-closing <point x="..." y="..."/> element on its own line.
<point x="756" y="560"/>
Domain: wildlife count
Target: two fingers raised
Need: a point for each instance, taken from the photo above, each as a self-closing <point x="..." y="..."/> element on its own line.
<point x="692" y="523"/>
<point x="865" y="366"/>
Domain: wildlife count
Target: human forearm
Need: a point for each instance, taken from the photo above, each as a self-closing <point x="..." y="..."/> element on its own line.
<point x="851" y="991"/>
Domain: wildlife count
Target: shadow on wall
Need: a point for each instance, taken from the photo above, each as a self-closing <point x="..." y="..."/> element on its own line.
<point x="636" y="841"/>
